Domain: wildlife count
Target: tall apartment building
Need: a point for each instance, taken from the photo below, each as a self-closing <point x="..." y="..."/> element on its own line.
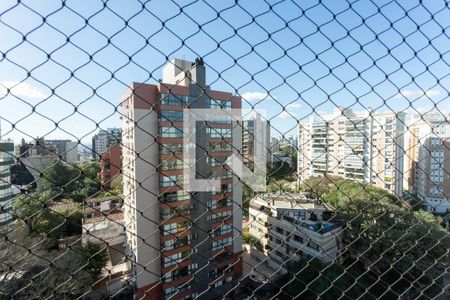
<point x="6" y="191"/>
<point x="428" y="161"/>
<point x="105" y="139"/>
<point x="66" y="148"/>
<point x="249" y="142"/>
<point x="183" y="244"/>
<point x="364" y="146"/>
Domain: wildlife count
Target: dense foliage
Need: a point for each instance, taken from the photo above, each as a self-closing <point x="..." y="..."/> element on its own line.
<point x="57" y="211"/>
<point x="317" y="186"/>
<point x="279" y="170"/>
<point x="406" y="251"/>
<point x="69" y="276"/>
<point x="20" y="175"/>
<point x="42" y="215"/>
<point x="68" y="181"/>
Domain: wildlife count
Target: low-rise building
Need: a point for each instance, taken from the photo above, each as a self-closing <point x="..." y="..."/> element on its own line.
<point x="289" y="226"/>
<point x="103" y="221"/>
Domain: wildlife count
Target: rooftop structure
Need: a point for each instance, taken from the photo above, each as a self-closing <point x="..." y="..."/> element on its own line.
<point x="289" y="226"/>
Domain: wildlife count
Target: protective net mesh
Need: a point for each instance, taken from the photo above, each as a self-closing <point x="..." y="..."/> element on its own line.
<point x="224" y="149"/>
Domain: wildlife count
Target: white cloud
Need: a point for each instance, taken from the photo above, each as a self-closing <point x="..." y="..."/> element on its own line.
<point x="417" y="94"/>
<point x="404" y="93"/>
<point x="286" y="115"/>
<point x="21" y="89"/>
<point x="432" y="93"/>
<point x="294" y="105"/>
<point x="289" y="111"/>
<point x="253" y="96"/>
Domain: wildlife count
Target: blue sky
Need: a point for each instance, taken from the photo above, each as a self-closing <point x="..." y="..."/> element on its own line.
<point x="309" y="57"/>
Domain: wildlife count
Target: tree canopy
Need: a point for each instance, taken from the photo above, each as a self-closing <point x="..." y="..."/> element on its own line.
<point x="38" y="211"/>
<point x="389" y="237"/>
<point x="317" y="186"/>
<point x="69" y="276"/>
<point x="68" y="181"/>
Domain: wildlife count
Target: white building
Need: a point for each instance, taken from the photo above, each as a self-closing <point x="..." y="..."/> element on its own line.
<point x="290" y="227"/>
<point x="364" y="146"/>
<point x="249" y="129"/>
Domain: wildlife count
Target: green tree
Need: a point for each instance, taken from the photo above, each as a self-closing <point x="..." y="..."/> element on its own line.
<point x="311" y="278"/>
<point x="279" y="170"/>
<point x="37" y="211"/>
<point x="317" y="186"/>
<point x="247" y="195"/>
<point x="247" y="238"/>
<point x="60" y="179"/>
<point x="70" y="275"/>
<point x="21" y="176"/>
<point x="390" y="238"/>
<point x="68" y="181"/>
<point x="96" y="257"/>
<point x="414" y="201"/>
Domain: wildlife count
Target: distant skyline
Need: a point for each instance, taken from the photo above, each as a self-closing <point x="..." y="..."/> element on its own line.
<point x="293" y="60"/>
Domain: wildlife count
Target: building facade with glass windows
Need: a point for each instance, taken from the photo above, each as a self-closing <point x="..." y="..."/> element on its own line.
<point x="6" y="192"/>
<point x="183" y="244"/>
<point x="364" y="146"/>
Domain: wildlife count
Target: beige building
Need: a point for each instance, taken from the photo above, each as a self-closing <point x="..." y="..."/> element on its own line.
<point x="365" y="146"/>
<point x="290" y="227"/>
<point x="164" y="243"/>
<point x="427" y="161"/>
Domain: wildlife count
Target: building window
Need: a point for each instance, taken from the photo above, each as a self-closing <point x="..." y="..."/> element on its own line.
<point x="216" y="245"/>
<point x="176" y="100"/>
<point x="175" y="196"/>
<point x="313" y="245"/>
<point x="298" y="239"/>
<point x="176" y="258"/>
<point x="174" y="228"/>
<point x="171" y="132"/>
<point x="218" y="147"/>
<point x="219" y="132"/>
<point x="172" y="164"/>
<point x="220" y="104"/>
<point x="171" y="148"/>
<point x="168" y="181"/>
<point x="220" y="216"/>
<point x="171" y="115"/>
<point x="224" y="229"/>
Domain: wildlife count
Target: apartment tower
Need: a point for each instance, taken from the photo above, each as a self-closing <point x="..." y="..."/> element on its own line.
<point x="182" y="244"/>
<point x="427" y="161"/>
<point x="364" y="146"/>
<point x="249" y="141"/>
